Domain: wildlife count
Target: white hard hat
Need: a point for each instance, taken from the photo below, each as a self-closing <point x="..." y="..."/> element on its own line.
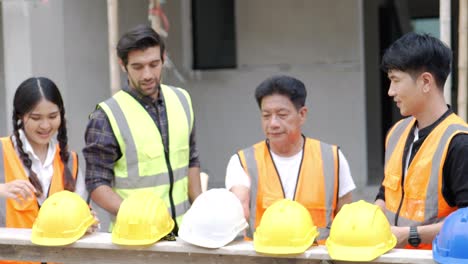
<point x="214" y="219"/>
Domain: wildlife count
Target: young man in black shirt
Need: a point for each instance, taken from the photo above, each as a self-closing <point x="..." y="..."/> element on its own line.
<point x="426" y="155"/>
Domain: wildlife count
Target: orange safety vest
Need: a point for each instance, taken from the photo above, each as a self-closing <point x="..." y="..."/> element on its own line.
<point x="316" y="188"/>
<point x="418" y="200"/>
<point x="11" y="168"/>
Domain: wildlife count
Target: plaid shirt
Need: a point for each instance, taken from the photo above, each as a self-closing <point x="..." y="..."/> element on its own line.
<point x="102" y="149"/>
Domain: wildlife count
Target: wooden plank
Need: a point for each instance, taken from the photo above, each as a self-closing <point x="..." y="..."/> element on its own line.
<point x="15" y="244"/>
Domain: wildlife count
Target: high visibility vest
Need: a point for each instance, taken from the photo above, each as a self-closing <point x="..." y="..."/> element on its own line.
<point x="316" y="188"/>
<point x="419" y="199"/>
<point x="22" y="215"/>
<point x="144" y="163"/>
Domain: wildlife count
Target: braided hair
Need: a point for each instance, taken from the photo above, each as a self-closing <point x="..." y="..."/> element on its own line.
<point x="27" y="96"/>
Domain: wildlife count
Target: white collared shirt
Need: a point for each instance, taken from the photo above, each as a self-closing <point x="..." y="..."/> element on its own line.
<point x="44" y="171"/>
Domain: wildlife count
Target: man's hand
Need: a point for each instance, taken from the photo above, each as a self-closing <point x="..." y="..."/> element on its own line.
<point x="402" y="234"/>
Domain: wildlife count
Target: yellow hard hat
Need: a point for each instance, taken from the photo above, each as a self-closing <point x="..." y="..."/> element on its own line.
<point x="286" y="227"/>
<point x="63" y="218"/>
<point x="360" y="232"/>
<point x="142" y="219"/>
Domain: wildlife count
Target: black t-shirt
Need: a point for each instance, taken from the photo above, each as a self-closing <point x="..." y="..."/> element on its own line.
<point x="455" y="170"/>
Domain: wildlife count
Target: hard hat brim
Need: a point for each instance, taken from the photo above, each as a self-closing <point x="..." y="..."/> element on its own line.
<point x="203" y="241"/>
<point x="118" y="240"/>
<point x="133" y="242"/>
<point x="38" y="239"/>
<point x="260" y="247"/>
<point x="348" y="253"/>
<point x="269" y="250"/>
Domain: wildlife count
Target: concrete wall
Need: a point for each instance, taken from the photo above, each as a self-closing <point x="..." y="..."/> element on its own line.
<point x="17" y="61"/>
<point x="87" y="57"/>
<point x="86" y="63"/>
<point x="69" y="45"/>
<point x="373" y="91"/>
<point x="33" y="37"/>
<point x="325" y="53"/>
<point x="3" y="115"/>
<point x="48" y="43"/>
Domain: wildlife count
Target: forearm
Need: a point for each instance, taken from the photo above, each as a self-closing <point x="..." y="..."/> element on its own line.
<point x="429" y="232"/>
<point x="194" y="185"/>
<point x="106" y="198"/>
<point x="243" y="193"/>
<point x="345" y="199"/>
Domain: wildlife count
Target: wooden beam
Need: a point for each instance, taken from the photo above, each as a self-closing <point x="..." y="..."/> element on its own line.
<point x="15" y="244"/>
<point x="446" y="36"/>
<point x="113" y="33"/>
<point x="462" y="59"/>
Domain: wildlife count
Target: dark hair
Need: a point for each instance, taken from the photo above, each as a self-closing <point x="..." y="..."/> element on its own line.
<point x="27" y="96"/>
<point x="285" y="85"/>
<point x="140" y="37"/>
<point x="416" y="53"/>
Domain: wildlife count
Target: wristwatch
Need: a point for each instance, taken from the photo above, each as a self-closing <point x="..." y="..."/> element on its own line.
<point x="414" y="239"/>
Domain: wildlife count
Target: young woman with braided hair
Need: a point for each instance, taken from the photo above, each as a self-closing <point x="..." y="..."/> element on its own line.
<point x="36" y="161"/>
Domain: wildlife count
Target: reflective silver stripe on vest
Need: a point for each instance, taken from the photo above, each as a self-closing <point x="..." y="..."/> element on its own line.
<point x="185" y="105"/>
<point x="131" y="154"/>
<point x="150" y="180"/>
<point x="432" y="200"/>
<point x="329" y="174"/>
<point x="2" y="180"/>
<point x="249" y="155"/>
<point x="393" y="140"/>
<point x="182" y="208"/>
<point x="324" y="232"/>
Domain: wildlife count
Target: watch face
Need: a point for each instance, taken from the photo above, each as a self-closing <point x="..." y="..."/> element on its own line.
<point x="414" y="241"/>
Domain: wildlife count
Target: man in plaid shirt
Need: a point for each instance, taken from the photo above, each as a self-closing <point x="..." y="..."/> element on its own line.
<point x="139" y="139"/>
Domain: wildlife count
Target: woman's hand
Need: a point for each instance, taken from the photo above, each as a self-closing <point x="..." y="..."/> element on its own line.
<point x="20" y="190"/>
